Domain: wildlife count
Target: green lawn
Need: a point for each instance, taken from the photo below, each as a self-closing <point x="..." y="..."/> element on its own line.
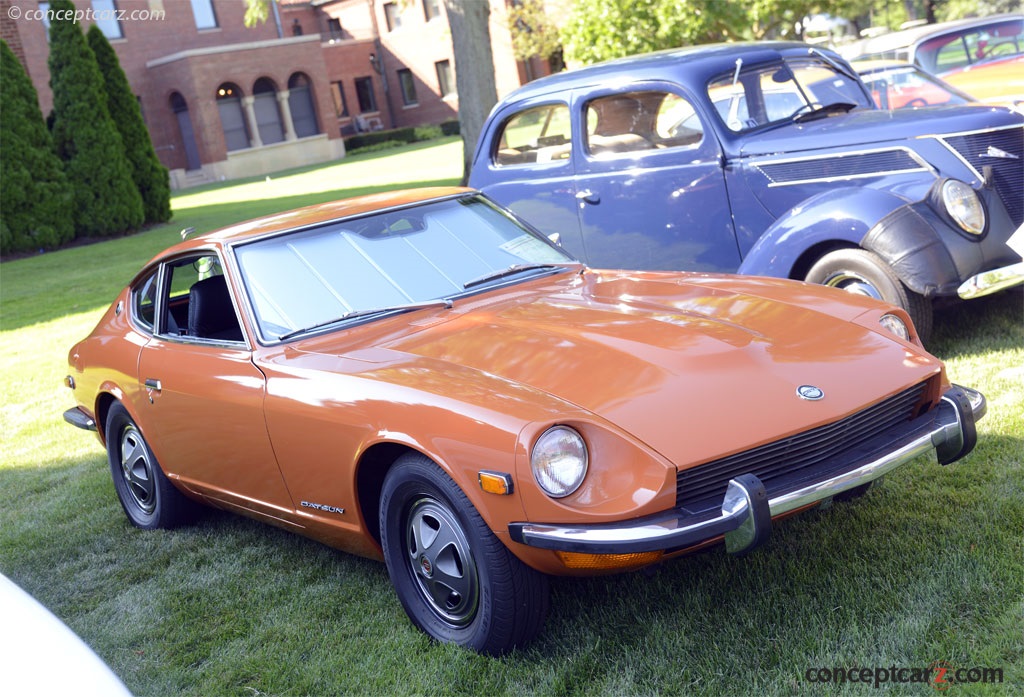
<point x="927" y="567"/>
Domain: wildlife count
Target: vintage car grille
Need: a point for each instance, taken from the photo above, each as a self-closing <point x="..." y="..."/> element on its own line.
<point x="802" y="457"/>
<point x="1007" y="172"/>
<point x="839" y="167"/>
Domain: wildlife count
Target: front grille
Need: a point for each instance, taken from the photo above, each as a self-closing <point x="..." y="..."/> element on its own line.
<point x="865" y="164"/>
<point x="803" y="457"/>
<point x="1007" y="172"/>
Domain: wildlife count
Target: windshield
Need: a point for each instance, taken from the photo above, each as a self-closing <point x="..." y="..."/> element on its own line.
<point x="777" y="93"/>
<point x="391" y="261"/>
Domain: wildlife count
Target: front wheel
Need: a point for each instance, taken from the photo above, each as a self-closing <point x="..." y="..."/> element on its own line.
<point x="864" y="273"/>
<point x="455" y="579"/>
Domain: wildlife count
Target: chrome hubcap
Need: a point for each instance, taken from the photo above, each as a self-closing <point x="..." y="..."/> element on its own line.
<point x="442" y="562"/>
<point x="851" y="283"/>
<point x="137" y="470"/>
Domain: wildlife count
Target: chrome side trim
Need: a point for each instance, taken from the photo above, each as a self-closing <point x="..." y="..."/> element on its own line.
<point x="923" y="166"/>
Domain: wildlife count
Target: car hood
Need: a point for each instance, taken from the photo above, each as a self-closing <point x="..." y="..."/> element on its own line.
<point x="685" y="364"/>
<point x="863" y="128"/>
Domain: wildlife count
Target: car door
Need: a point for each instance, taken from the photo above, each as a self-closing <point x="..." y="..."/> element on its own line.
<point x="205" y="394"/>
<point x="525" y="164"/>
<point x="649" y="182"/>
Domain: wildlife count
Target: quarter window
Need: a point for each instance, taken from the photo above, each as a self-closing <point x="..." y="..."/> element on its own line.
<point x="541" y="134"/>
<point x="640" y="121"/>
<point x="144" y="303"/>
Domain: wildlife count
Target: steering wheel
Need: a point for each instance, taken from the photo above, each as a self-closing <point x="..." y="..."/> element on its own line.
<point x="916" y="102"/>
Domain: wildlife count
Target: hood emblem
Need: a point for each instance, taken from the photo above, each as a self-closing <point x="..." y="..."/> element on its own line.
<point x="993" y="151"/>
<point x="810" y="393"/>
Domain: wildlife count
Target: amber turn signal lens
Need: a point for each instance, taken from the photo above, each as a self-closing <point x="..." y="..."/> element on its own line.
<point x="496" y="483"/>
<point x="579" y="560"/>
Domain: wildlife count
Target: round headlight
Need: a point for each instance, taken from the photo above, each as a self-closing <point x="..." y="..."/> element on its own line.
<point x="559" y="461"/>
<point x="964" y="206"/>
<point x="895" y="325"/>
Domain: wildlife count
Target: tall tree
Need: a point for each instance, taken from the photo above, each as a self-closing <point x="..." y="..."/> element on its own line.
<point x="35" y="206"/>
<point x="469" y="21"/>
<point x="150" y="177"/>
<point x="85" y="137"/>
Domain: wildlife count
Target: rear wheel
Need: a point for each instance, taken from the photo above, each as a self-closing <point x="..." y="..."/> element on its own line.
<point x="148" y="498"/>
<point x="455" y="579"/>
<point x="864" y="273"/>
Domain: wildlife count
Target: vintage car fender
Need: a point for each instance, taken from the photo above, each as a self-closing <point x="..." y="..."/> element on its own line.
<point x="902" y="233"/>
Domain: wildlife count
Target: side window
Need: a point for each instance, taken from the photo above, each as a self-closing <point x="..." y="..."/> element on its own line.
<point x="198" y="301"/>
<point x="144" y="302"/>
<point x="541" y="134"/>
<point x="638" y="121"/>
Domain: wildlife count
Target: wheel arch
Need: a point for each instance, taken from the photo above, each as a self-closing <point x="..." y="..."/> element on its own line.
<point x="812" y="254"/>
<point x="371" y="469"/>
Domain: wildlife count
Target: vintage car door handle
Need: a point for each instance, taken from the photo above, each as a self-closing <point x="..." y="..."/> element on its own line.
<point x="588" y="196"/>
<point x="153" y="385"/>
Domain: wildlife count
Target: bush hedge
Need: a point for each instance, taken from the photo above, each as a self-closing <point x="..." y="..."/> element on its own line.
<point x="409" y="134"/>
<point x="150" y="176"/>
<point x="35" y="202"/>
<point x="84" y="135"/>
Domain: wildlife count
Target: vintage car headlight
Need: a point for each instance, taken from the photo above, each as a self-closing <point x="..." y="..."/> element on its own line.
<point x="895" y="325"/>
<point x="963" y="206"/>
<point x="559" y="461"/>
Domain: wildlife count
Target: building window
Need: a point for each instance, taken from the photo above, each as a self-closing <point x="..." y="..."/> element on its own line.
<point x="340" y="103"/>
<point x="444" y="78"/>
<point x="432" y="9"/>
<point x="232" y="119"/>
<point x="202" y="10"/>
<point x="268" y="116"/>
<point x="408" y="87"/>
<point x="364" y="93"/>
<point x="393" y="15"/>
<point x="105" y="16"/>
<point x="300" y="103"/>
<point x="334" y="29"/>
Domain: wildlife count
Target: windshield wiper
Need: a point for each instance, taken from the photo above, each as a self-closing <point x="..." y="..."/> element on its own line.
<point x="823" y="111"/>
<point x="440" y="302"/>
<point x="509" y="271"/>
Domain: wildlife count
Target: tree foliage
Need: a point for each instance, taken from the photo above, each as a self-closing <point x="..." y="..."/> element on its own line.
<point x="85" y="137"/>
<point x="533" y="31"/>
<point x="150" y="177"/>
<point x="35" y="204"/>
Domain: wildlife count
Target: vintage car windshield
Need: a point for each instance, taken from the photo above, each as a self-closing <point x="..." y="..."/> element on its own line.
<point x="387" y="262"/>
<point x="756" y="96"/>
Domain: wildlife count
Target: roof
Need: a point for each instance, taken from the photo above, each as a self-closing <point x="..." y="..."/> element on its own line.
<point x="702" y="61"/>
<point x="909" y="37"/>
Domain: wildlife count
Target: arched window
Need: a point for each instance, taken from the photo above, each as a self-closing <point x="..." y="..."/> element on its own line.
<point x="300" y="102"/>
<point x="232" y="118"/>
<point x="268" y="116"/>
<point x="188" y="137"/>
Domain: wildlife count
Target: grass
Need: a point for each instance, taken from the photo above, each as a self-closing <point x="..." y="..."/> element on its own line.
<point x="929" y="566"/>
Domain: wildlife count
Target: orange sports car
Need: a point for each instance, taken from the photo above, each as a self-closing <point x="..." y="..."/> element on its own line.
<point x="421" y="378"/>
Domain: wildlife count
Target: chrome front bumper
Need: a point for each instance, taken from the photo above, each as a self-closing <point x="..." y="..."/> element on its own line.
<point x="993" y="281"/>
<point x="747" y="510"/>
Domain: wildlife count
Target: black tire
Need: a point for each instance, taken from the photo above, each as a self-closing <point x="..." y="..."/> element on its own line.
<point x="148" y="498"/>
<point x="862" y="272"/>
<point x="455" y="579"/>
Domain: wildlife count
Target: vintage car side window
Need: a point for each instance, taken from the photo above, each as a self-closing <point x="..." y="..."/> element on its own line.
<point x="540" y="134"/>
<point x="144" y="302"/>
<point x="198" y="302"/>
<point x="638" y="121"/>
<point x="963" y="48"/>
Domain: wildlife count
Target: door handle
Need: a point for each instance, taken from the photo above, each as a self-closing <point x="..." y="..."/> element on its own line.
<point x="153" y="385"/>
<point x="588" y="196"/>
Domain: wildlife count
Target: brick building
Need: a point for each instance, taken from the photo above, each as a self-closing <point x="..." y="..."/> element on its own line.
<point x="222" y="100"/>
